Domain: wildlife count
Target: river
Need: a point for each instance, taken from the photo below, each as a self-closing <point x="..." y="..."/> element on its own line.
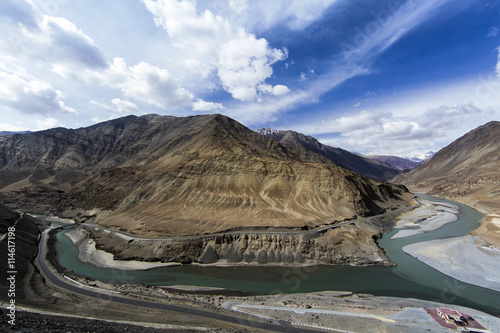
<point x="410" y="278"/>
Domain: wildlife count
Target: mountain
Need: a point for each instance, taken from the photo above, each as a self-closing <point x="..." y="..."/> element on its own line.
<point x="166" y="175"/>
<point x="370" y="168"/>
<point x="5" y="133"/>
<point x="419" y="158"/>
<point x="399" y="163"/>
<point x="468" y="167"/>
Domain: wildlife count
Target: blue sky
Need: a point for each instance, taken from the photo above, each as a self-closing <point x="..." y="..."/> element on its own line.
<point x="376" y="77"/>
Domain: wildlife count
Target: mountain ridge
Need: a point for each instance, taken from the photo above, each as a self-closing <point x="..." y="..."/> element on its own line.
<point x="167" y="175"/>
<point x="468" y="167"/>
<point x="370" y="168"/>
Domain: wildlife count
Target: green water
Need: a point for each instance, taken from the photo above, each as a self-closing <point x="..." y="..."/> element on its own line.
<point x="410" y="278"/>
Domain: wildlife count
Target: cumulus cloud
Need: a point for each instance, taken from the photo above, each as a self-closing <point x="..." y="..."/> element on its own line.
<point x="66" y="43"/>
<point x="31" y="96"/>
<point x="118" y="108"/>
<point x="213" y="44"/>
<point x="244" y="65"/>
<point x="201" y="105"/>
<point x="53" y="42"/>
<point x="145" y="83"/>
<point x="374" y="132"/>
<point x="361" y="121"/>
<point x="43" y="124"/>
<point x="277" y="90"/>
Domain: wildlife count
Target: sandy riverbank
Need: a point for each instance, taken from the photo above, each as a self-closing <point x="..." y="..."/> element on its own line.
<point x="468" y="259"/>
<point x="428" y="217"/>
<point x="88" y="253"/>
<point x="489" y="226"/>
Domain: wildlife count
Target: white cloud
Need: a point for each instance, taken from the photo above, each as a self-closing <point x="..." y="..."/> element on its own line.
<point x="359" y="122"/>
<point x="277" y="90"/>
<point x="48" y="41"/>
<point x="18" y="12"/>
<point x="124" y="106"/>
<point x="64" y="42"/>
<point x="145" y="83"/>
<point x="374" y="132"/>
<point x="31" y="96"/>
<point x="203" y="106"/>
<point x="239" y="6"/>
<point x="356" y="60"/>
<point x="244" y="65"/>
<point x="212" y="44"/>
<point x="12" y="128"/>
<point x="119" y="108"/>
<point x="498" y="62"/>
<point x="47" y="123"/>
<point x="295" y="14"/>
<point x="493" y="32"/>
<point x="380" y="33"/>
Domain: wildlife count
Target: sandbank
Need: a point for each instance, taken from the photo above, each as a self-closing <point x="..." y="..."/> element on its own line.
<point x="468" y="259"/>
<point x="428" y="217"/>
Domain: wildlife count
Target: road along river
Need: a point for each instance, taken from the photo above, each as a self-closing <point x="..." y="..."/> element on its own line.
<point x="410" y="278"/>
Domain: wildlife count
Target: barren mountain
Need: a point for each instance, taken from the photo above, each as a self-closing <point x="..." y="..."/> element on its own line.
<point x="399" y="163"/>
<point x="468" y="167"/>
<point x="369" y="168"/>
<point x="166" y="175"/>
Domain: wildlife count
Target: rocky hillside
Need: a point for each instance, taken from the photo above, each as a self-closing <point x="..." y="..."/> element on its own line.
<point x="367" y="167"/>
<point x="467" y="167"/>
<point x="24" y="234"/>
<point x="166" y="175"/>
<point x="351" y="242"/>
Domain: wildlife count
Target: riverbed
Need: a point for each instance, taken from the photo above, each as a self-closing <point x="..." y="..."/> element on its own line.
<point x="410" y="278"/>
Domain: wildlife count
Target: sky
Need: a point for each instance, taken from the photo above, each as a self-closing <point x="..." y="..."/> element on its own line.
<point x="386" y="77"/>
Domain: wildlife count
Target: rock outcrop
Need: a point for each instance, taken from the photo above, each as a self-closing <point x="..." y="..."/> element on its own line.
<point x="351" y="242"/>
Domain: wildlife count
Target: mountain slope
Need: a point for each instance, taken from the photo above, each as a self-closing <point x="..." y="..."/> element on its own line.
<point x="370" y="168"/>
<point x="467" y="167"/>
<point x="168" y="175"/>
<point x="399" y="163"/>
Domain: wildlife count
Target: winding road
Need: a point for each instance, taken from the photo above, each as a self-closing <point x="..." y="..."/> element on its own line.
<point x="59" y="282"/>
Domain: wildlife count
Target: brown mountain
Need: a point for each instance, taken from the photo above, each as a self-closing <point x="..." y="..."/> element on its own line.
<point x="467" y="168"/>
<point x="397" y="162"/>
<point x="159" y="174"/>
<point x="369" y="168"/>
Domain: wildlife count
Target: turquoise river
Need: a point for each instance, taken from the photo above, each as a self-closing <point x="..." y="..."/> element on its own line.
<point x="409" y="278"/>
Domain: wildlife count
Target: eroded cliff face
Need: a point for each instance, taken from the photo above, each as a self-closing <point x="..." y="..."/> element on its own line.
<point x="351" y="243"/>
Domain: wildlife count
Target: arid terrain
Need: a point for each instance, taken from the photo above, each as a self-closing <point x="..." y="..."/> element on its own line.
<point x="156" y="176"/>
<point x="336" y="237"/>
<point x="367" y="167"/>
<point x="466" y="171"/>
<point x="175" y="176"/>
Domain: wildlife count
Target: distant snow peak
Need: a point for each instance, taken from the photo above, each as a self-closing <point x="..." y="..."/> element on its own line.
<point x="267" y="131"/>
<point x="419" y="158"/>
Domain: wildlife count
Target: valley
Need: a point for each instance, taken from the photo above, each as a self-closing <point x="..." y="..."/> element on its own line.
<point x="185" y="214"/>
